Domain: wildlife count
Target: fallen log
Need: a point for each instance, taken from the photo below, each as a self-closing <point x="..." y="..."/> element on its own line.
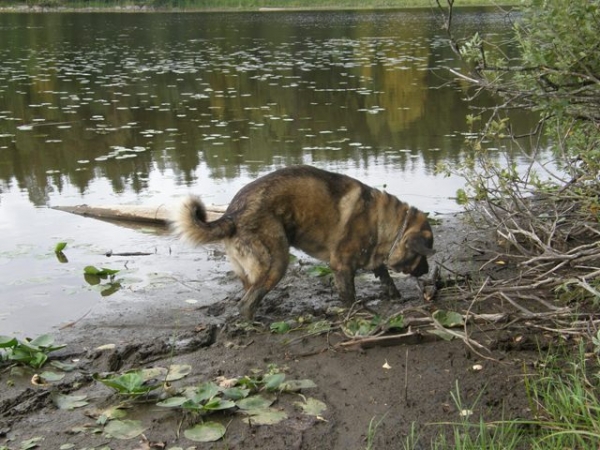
<point x="155" y="216"/>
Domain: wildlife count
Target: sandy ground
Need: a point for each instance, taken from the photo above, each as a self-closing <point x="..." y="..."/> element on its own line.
<point x="406" y="382"/>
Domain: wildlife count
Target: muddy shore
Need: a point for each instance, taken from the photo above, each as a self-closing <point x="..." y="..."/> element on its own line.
<point x="192" y="320"/>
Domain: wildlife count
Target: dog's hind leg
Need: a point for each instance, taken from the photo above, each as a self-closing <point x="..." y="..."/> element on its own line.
<point x="268" y="263"/>
<point x="383" y="274"/>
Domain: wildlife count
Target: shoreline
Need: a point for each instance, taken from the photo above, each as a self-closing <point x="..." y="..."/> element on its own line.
<point x="132" y="8"/>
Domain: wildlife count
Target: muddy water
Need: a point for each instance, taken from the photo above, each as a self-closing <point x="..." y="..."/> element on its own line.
<point x="143" y="108"/>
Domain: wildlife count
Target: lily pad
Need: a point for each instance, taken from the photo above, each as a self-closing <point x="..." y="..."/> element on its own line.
<point x="69" y="402"/>
<point x="178" y="371"/>
<point x="265" y="416"/>
<point x="124" y="429"/>
<point x="311" y="406"/>
<point x="254" y="403"/>
<point x="205" y="432"/>
<point x="273" y="381"/>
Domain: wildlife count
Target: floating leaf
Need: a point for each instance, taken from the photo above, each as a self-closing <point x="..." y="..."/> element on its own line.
<point x="124" y="429"/>
<point x="60" y="247"/>
<point x="312" y="406"/>
<point x="69" y="402"/>
<point x="91" y="270"/>
<point x="266" y="416"/>
<point x="253" y="403"/>
<point x="205" y="432"/>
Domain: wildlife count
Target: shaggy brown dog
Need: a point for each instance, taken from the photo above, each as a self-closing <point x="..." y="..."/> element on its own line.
<point x="329" y="216"/>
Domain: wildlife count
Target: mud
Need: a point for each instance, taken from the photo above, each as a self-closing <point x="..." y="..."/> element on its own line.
<point x="195" y="322"/>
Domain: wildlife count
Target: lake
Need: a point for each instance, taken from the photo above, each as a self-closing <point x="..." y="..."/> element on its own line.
<point x="109" y="108"/>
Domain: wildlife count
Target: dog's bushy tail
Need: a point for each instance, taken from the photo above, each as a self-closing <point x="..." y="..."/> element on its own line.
<point x="189" y="223"/>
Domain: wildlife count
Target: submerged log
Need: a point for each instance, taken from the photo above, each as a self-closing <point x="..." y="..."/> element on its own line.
<point x="155" y="216"/>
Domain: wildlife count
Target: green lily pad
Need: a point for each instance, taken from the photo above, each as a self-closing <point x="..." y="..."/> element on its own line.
<point x="273" y="381"/>
<point x="124" y="429"/>
<point x="254" y="403"/>
<point x="265" y="416"/>
<point x="205" y="432"/>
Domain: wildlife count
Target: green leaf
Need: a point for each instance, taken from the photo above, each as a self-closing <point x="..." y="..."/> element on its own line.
<point x="266" y="416"/>
<point x="131" y="383"/>
<point x="52" y="376"/>
<point x="254" y="402"/>
<point x="69" y="402"/>
<point x="396" y="323"/>
<point x="103" y="272"/>
<point x="273" y="381"/>
<point x="173" y="402"/>
<point x="448" y="319"/>
<point x="60" y="247"/>
<point x="217" y="404"/>
<point x="124" y="429"/>
<point x="205" y="391"/>
<point x="312" y="406"/>
<point x="31" y="443"/>
<point x="205" y="432"/>
<point x="8" y="341"/>
<point x="280" y="327"/>
<point x="319" y="271"/>
<point x="178" y="371"/>
<point x="235" y="393"/>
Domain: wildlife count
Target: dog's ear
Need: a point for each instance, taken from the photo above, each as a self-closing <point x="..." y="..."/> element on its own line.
<point x="418" y="244"/>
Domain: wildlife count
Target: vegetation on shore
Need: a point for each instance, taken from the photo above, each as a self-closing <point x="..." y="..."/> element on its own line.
<point x="546" y="217"/>
<point x="228" y="5"/>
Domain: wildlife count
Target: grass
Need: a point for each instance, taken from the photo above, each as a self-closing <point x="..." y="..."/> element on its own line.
<point x="564" y="396"/>
<point x="237" y="5"/>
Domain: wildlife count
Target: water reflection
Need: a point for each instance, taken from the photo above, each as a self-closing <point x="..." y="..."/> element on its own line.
<point x="120" y="96"/>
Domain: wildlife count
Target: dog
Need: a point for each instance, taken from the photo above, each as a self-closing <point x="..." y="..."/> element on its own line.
<point x="330" y="216"/>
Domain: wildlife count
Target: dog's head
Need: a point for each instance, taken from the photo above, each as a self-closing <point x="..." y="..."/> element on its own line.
<point x="409" y="254"/>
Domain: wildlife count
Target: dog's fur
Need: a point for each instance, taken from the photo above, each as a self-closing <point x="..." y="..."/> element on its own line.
<point x="332" y="217"/>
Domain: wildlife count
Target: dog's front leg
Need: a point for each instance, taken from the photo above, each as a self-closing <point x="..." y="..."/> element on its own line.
<point x="383" y="274"/>
<point x="344" y="282"/>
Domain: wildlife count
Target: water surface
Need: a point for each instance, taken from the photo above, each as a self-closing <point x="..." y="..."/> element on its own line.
<point x="144" y="108"/>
